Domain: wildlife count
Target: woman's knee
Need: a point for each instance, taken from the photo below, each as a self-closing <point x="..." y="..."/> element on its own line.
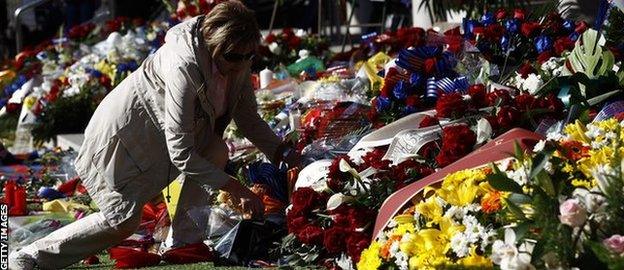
<point x="128" y="226"/>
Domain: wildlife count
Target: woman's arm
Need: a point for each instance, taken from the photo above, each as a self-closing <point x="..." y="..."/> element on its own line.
<point x="182" y="83"/>
<point x="253" y="127"/>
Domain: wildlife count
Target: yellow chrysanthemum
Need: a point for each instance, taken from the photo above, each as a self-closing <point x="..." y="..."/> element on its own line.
<point x="597" y="157"/>
<point x="370" y="259"/>
<point x="405" y="218"/>
<point x="587" y="184"/>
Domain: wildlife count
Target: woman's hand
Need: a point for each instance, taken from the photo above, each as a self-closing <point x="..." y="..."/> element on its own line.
<point x="249" y="201"/>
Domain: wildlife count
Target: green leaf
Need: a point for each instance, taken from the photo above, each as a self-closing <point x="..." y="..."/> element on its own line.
<point x="518" y="198"/>
<point x="539" y="161"/>
<point x="518" y="152"/>
<point x="515" y="210"/>
<point x="521" y="230"/>
<point x="501" y="182"/>
<point x="545" y="182"/>
<point x="588" y="57"/>
<point x="538" y="250"/>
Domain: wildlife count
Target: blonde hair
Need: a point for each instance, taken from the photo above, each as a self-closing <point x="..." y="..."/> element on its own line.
<point x="230" y="24"/>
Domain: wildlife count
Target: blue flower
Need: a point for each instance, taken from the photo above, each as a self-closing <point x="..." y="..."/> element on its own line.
<point x="512" y="25"/>
<point x="543" y="43"/>
<point x="504" y="42"/>
<point x="409" y="110"/>
<point x="569" y="25"/>
<point x="487" y="18"/>
<point x="574" y="36"/>
<point x="382" y="103"/>
<point x="469" y="26"/>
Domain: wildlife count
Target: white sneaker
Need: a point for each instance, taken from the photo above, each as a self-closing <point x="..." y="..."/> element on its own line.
<point x="21" y="261"/>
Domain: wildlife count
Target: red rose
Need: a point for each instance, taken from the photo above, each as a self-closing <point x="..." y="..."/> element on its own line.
<point x="543" y="57"/>
<point x="356" y="243"/>
<point x="526" y="69"/>
<point x="334" y="240"/>
<point x="477" y="94"/>
<point x="429" y="66"/>
<point x="305" y="199"/>
<point x="525" y="102"/>
<point x="311" y="235"/>
<point x="580" y="27"/>
<point x="373" y="159"/>
<point x="501" y="14"/>
<point x="530" y="29"/>
<point x="507" y="117"/>
<point x="563" y="44"/>
<point x="457" y="141"/>
<point x="428" y="121"/>
<point x="519" y="14"/>
<point x="450" y="105"/>
<point x="191" y="10"/>
<point x="498" y="96"/>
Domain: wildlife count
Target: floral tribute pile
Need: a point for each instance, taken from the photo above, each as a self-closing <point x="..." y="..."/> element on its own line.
<point x="413" y="101"/>
<point x="558" y="206"/>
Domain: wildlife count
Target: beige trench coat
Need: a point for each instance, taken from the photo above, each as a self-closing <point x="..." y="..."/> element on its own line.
<point x="160" y="115"/>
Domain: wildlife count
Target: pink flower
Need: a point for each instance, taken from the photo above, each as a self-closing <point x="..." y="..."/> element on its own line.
<point x="615" y="243"/>
<point x="572" y="213"/>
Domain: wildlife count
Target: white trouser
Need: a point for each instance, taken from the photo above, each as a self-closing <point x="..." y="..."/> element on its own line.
<point x="93" y="233"/>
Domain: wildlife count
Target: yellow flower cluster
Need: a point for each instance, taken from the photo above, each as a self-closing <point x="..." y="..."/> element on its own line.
<point x="427" y="247"/>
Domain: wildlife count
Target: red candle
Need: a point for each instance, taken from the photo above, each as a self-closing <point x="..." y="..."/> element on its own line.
<point x="9" y="192"/>
<point x="19" y="202"/>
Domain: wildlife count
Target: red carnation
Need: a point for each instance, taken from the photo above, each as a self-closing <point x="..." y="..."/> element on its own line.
<point x="373" y="159"/>
<point x="552" y="104"/>
<point x="457" y="141"/>
<point x="501" y="14"/>
<point x="311" y="235"/>
<point x="477" y="94"/>
<point x="563" y="44"/>
<point x="356" y="243"/>
<point x="334" y="240"/>
<point x="519" y="14"/>
<point x="526" y="69"/>
<point x="581" y="27"/>
<point x="359" y="217"/>
<point x="428" y="121"/>
<point x="530" y="29"/>
<point x="450" y="105"/>
<point x="525" y="102"/>
<point x="305" y="199"/>
<point x="295" y="221"/>
<point x="498" y="97"/>
<point x="294" y="42"/>
<point x="494" y="32"/>
<point x="544" y="56"/>
<point x="270" y="38"/>
<point x="507" y="117"/>
<point x="336" y="178"/>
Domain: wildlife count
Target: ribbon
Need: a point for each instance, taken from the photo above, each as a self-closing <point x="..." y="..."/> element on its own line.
<point x="610" y="110"/>
<point x="272" y="176"/>
<point x="446" y="85"/>
<point x="413" y="59"/>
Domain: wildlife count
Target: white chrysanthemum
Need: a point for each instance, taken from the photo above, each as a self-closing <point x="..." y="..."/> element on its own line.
<point x="532" y="83"/>
<point x="460" y="245"/>
<point x="539" y="146"/>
